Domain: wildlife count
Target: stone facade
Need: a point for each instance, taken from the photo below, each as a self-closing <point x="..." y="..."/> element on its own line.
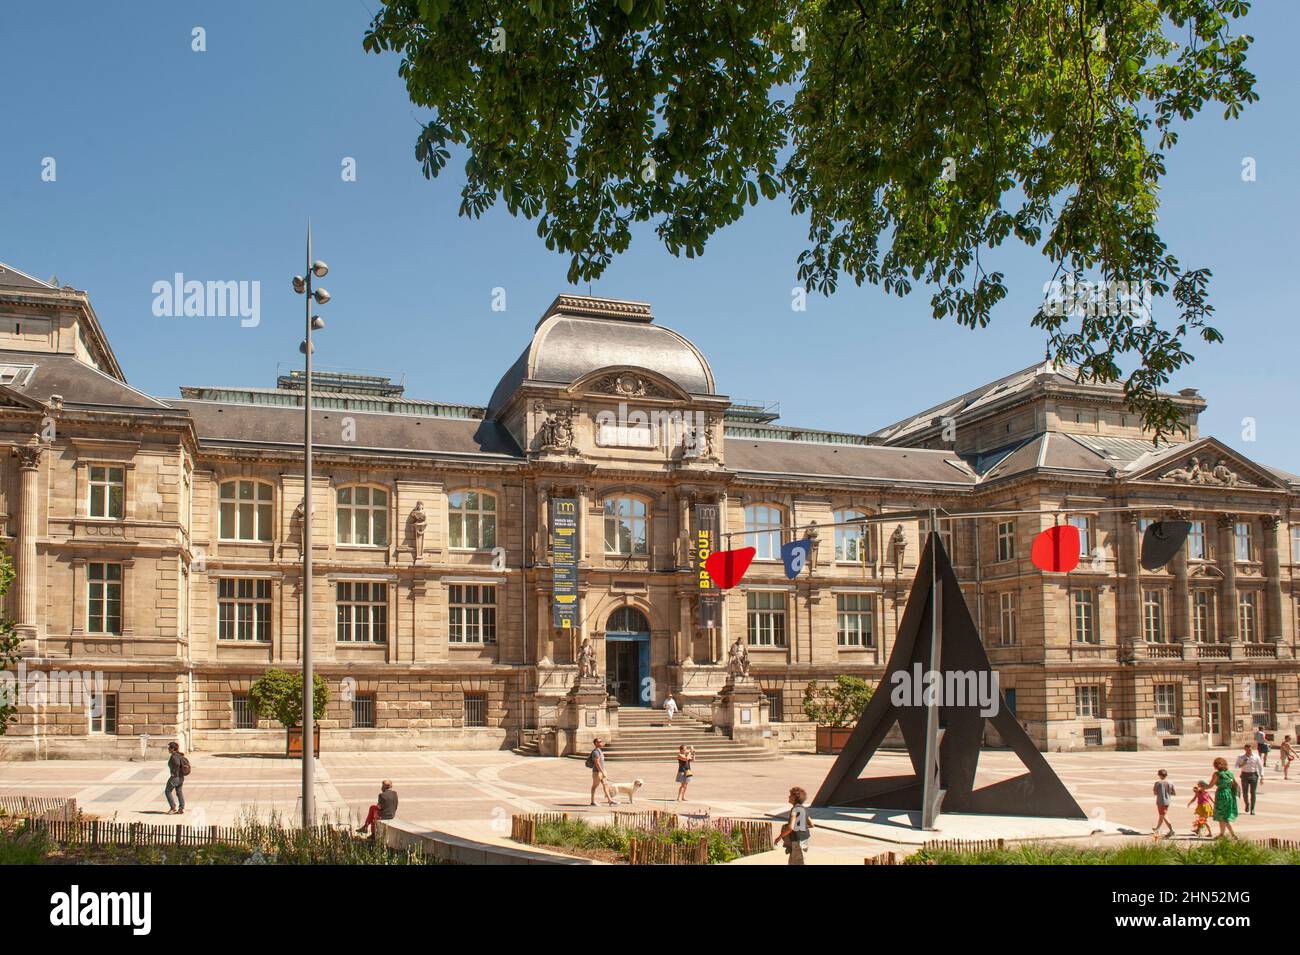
<point x="158" y="547"/>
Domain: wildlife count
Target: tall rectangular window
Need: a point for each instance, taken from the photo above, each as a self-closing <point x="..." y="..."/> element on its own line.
<point x="362" y="612"/>
<point x="945" y="534"/>
<point x="104" y="598"/>
<point x="1007" y="619"/>
<point x="1197" y="542"/>
<point x="107" y="491"/>
<point x="852" y="541"/>
<point x="1084" y="524"/>
<point x="1006" y="540"/>
<point x="765" y="617"/>
<point x="1295" y="543"/>
<point x="1263" y="705"/>
<point x="361" y="514"/>
<point x="625" y="526"/>
<point x="246" y="512"/>
<point x="855" y="620"/>
<point x="1203" y="616"/>
<point x="471" y="613"/>
<point x="1085" y="615"/>
<point x="1166" y="706"/>
<point x="472" y="520"/>
<point x="243" y="609"/>
<point x="763" y="530"/>
<point x="1247" y="618"/>
<point x="1087" y="702"/>
<point x="1241" y="534"/>
<point x="103" y="715"/>
<point x="1153" y="616"/>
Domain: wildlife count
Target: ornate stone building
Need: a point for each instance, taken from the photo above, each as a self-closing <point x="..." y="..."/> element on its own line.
<point x="158" y="545"/>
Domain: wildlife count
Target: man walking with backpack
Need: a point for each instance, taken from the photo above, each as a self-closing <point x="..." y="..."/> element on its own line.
<point x="178" y="767"/>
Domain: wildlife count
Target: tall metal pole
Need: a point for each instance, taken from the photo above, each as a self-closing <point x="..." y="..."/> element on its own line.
<point x="308" y="682"/>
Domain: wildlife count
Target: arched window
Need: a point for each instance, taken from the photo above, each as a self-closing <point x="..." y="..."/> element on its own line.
<point x="363" y="515"/>
<point x="472" y="520"/>
<point x="763" y="530"/>
<point x="627" y="620"/>
<point x="625" y="526"/>
<point x="852" y="543"/>
<point x="247" y="511"/>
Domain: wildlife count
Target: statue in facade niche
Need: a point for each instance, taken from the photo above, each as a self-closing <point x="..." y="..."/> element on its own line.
<point x="419" y="521"/>
<point x="586" y="661"/>
<point x="738" y="659"/>
<point x="556" y="430"/>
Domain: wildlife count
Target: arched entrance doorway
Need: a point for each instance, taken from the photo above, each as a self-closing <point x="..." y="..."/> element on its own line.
<point x="627" y="655"/>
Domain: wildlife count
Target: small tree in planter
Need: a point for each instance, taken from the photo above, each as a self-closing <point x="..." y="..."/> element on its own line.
<point x="835" y="707"/>
<point x="278" y="694"/>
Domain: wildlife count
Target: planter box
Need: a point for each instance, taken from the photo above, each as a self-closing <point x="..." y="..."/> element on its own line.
<point x="293" y="741"/>
<point x="832" y="739"/>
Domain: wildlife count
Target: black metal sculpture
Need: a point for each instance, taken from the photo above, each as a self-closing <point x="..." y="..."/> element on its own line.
<point x="943" y="736"/>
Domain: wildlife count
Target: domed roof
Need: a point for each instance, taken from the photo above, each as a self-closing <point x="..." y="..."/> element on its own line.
<point x="581" y="334"/>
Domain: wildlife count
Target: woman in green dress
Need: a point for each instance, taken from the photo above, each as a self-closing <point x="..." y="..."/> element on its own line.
<point x="1225" y="797"/>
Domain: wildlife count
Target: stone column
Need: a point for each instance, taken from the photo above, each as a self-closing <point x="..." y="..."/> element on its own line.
<point x="1273" y="583"/>
<point x="1131" y="604"/>
<point x="27" y="566"/>
<point x="1181" y="615"/>
<point x="1228" y="565"/>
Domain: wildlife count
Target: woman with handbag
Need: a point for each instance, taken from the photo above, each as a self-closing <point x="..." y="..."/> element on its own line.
<point x="1225" y="797"/>
<point x="685" y="757"/>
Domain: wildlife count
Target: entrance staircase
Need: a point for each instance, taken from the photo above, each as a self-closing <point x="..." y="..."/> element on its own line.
<point x="644" y="734"/>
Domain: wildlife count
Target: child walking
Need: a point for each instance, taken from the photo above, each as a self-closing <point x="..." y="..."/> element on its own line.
<point x="1204" y="800"/>
<point x="1164" y="792"/>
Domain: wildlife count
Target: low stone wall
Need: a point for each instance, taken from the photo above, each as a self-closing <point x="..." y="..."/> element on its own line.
<point x="398" y="834"/>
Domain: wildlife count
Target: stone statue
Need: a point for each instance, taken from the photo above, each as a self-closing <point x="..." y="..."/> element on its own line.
<point x="586" y="661"/>
<point x="738" y="659"/>
<point x="419" y="521"/>
<point x="1223" y="475"/>
<point x="898" y="541"/>
<point x="556" y="431"/>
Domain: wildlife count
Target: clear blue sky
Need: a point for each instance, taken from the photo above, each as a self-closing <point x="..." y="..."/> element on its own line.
<point x="210" y="163"/>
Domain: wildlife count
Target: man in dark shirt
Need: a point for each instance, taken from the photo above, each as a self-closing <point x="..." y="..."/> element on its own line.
<point x="385" y="807"/>
<point x="176" y="763"/>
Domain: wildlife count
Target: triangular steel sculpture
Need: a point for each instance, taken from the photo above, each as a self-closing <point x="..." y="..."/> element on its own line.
<point x="945" y="761"/>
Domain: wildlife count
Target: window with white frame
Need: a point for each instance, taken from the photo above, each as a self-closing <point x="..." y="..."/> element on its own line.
<point x="362" y="611"/>
<point x="362" y="516"/>
<point x="1153" y="616"/>
<point x="945" y="533"/>
<point x="244" y="608"/>
<point x="1197" y="542"/>
<point x="1243" y="543"/>
<point x="1247" y="617"/>
<point x="1263" y="704"/>
<point x="1203" y="616"/>
<point x="104" y="598"/>
<point x="765" y="617"/>
<point x="1166" y="701"/>
<point x="1087" y="702"/>
<point x="1007" y="618"/>
<point x="855" y="620"/>
<point x="102" y="714"/>
<point x="1084" y="524"/>
<point x="625" y="526"/>
<point x="472" y="613"/>
<point x="1085" y="615"/>
<point x="852" y="542"/>
<point x="107" y="491"/>
<point x="763" y="530"/>
<point x="1295" y="543"/>
<point x="1006" y="540"/>
<point x="247" y="511"/>
<point x="472" y="520"/>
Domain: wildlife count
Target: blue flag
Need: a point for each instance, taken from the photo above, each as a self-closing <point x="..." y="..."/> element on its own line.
<point x="795" y="555"/>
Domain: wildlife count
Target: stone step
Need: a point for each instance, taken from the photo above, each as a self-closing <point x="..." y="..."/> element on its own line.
<point x="738" y="753"/>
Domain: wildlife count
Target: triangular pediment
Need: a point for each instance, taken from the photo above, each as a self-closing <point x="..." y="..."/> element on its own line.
<point x="1207" y="462"/>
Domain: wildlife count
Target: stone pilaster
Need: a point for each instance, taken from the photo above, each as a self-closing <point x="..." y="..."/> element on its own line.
<point x="28" y="567"/>
<point x="1273" y="582"/>
<point x="1228" y="565"/>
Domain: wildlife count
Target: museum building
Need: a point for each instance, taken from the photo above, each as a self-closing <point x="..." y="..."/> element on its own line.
<point x="158" y="545"/>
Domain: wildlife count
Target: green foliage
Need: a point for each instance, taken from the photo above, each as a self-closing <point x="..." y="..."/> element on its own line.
<point x="838" y="704"/>
<point x="577" y="834"/>
<point x="1213" y="852"/>
<point x="10" y="644"/>
<point x="278" y="694"/>
<point x="915" y="138"/>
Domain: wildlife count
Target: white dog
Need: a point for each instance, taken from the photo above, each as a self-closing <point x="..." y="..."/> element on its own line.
<point x="625" y="789"/>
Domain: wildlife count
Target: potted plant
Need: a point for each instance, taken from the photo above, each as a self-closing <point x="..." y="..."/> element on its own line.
<point x="278" y="694"/>
<point x="835" y="708"/>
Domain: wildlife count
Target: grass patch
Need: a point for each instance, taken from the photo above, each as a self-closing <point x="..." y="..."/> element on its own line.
<point x="575" y="835"/>
<point x="1215" y="852"/>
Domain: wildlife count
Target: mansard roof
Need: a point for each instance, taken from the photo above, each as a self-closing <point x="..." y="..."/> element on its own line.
<point x="851" y="462"/>
<point x="79" y="385"/>
<point x="580" y="334"/>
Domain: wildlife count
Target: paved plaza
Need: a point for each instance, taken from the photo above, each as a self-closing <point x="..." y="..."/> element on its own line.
<point x="473" y="794"/>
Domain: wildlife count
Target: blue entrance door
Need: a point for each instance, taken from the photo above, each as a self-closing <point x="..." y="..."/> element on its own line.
<point x="627" y="657"/>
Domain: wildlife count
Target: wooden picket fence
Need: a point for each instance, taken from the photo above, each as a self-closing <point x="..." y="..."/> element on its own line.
<point x="44" y="807"/>
<point x="653" y="819"/>
<point x="523" y="828"/>
<point x="654" y="852"/>
<point x="885" y="858"/>
<point x="1285" y="844"/>
<point x="965" y="845"/>
<point x="101" y="832"/>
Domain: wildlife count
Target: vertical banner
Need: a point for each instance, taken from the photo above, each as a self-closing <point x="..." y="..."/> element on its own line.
<point x="564" y="563"/>
<point x="706" y="540"/>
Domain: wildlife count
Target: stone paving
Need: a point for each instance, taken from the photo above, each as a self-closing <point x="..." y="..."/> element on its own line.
<point x="474" y="793"/>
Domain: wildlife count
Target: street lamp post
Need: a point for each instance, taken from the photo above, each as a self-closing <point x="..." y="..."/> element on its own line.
<point x="302" y="285"/>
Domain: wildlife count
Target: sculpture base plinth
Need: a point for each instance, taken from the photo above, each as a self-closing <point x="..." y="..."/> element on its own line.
<point x="741" y="710"/>
<point x="588" y="712"/>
